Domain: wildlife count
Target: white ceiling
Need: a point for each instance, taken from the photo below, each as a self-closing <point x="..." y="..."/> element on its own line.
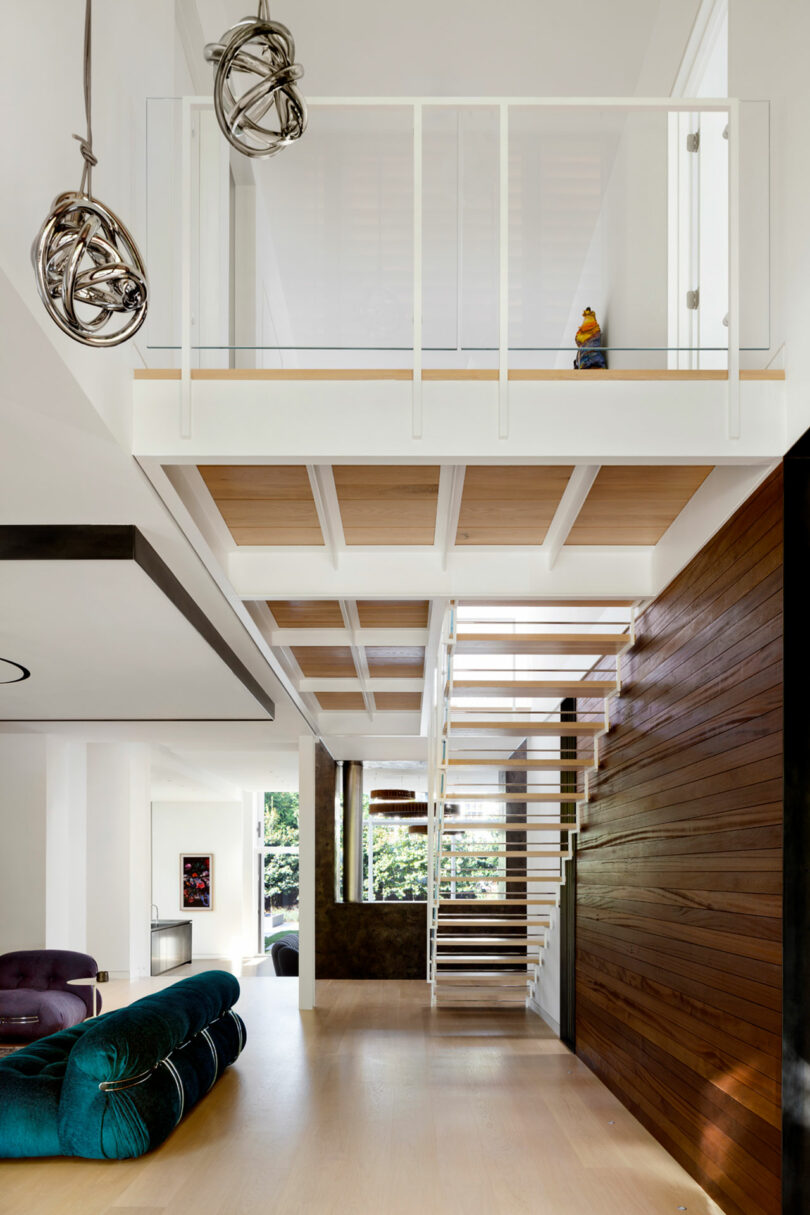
<point x="195" y="760"/>
<point x="102" y="641"/>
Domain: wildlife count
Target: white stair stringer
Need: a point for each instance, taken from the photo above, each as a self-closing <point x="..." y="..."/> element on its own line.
<point x="490" y="970"/>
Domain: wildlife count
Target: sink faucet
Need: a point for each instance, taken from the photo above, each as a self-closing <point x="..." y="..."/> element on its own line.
<point x="154" y="907"/>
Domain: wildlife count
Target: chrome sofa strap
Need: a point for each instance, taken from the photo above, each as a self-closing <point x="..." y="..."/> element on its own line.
<point x="205" y="1033"/>
<point x="118" y="1086"/>
<point x="238" y="1023"/>
<point x="32" y="1020"/>
<point x="167" y="1063"/>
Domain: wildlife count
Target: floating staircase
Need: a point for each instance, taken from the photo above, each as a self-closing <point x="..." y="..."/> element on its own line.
<point x="518" y="772"/>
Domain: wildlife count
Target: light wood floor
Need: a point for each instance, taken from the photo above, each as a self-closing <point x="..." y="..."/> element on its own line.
<point x="374" y="1105"/>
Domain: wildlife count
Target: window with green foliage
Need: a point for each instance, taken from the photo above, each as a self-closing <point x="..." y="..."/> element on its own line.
<point x="280" y="864"/>
<point x="395" y="863"/>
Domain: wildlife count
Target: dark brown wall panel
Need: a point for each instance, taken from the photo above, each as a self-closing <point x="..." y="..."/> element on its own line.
<point x="679" y="869"/>
<point x="358" y="940"/>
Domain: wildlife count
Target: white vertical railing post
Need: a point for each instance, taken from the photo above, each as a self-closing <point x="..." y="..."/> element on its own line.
<point x="416" y="422"/>
<point x="185" y="268"/>
<point x="734" y="269"/>
<point x="503" y="272"/>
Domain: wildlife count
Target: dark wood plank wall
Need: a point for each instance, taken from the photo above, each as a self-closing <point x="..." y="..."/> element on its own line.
<point x="679" y="869"/>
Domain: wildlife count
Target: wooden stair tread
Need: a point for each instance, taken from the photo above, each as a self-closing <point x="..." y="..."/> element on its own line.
<point x="465" y="978"/>
<point x="488" y="996"/>
<point x="552" y="728"/>
<point x="472" y="824"/>
<point x="501" y="795"/>
<point x="533" y="688"/>
<point x="496" y="959"/>
<point x="500" y="879"/>
<point x="472" y="996"/>
<point x="541" y="643"/>
<point x="490" y="940"/>
<point x="504" y="922"/>
<point x="509" y="765"/>
<point x="506" y="852"/>
<point x="513" y="901"/>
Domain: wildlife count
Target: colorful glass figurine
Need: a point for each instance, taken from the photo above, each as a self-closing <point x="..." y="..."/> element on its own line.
<point x="590" y="353"/>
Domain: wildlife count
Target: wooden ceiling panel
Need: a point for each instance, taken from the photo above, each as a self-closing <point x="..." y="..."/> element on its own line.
<point x="635" y="504"/>
<point x="325" y="661"/>
<point x="306" y="613"/>
<point x="341" y="700"/>
<point x="398" y="700"/>
<point x="396" y="661"/>
<point x="508" y="504"/>
<point x="393" y="613"/>
<point x="387" y="503"/>
<point x="264" y="503"/>
<point x="259" y="481"/>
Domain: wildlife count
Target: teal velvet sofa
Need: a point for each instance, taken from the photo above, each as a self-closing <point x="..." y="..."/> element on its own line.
<point x="116" y="1086"/>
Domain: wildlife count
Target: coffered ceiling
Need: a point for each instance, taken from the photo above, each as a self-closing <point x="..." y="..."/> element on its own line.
<point x="371" y="655"/>
<point x="380" y="505"/>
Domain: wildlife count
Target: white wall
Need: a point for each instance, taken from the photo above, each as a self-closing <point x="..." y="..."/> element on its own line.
<point x="66" y="895"/>
<point x="224" y="829"/>
<point x="767" y="59"/>
<point x="74" y="861"/>
<point x="546" y="996"/>
<point x="118" y="857"/>
<point x="22" y="842"/>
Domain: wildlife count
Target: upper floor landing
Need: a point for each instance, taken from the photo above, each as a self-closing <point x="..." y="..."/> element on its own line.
<point x="408" y="281"/>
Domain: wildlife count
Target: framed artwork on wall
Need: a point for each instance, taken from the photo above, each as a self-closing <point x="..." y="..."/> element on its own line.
<point x="197" y="881"/>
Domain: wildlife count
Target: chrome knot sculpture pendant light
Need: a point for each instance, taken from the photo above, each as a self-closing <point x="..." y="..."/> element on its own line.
<point x="89" y="273"/>
<point x="268" y="113"/>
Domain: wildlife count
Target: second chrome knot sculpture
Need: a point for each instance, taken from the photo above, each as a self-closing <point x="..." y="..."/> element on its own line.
<point x="268" y="113"/>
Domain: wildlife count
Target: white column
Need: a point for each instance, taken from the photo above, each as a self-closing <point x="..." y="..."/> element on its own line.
<point x="66" y="848"/>
<point x="23" y="826"/>
<point x="118" y="857"/>
<point x="306" y="854"/>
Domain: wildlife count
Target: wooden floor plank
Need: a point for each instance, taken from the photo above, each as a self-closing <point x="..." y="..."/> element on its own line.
<point x="374" y="1103"/>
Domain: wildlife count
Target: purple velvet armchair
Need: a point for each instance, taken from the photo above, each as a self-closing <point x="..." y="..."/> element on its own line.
<point x="35" y="997"/>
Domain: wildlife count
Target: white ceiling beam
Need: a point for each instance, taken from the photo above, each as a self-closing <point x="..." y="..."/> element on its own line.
<point x="720" y="495"/>
<point x="216" y="566"/>
<point x="264" y="618"/>
<point x="187" y="482"/>
<point x="388" y="727"/>
<point x="351" y="618"/>
<point x="347" y="683"/>
<point x="448" y="506"/>
<point x="346" y="636"/>
<point x="565" y="516"/>
<point x="322" y="481"/>
<point x="578" y="421"/>
<point x="472" y="572"/>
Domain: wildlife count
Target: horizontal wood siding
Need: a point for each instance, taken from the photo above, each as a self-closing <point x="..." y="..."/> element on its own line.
<point x="679" y="869"/>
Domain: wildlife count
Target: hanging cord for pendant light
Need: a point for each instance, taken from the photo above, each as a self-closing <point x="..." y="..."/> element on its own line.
<point x="264" y="10"/>
<point x="86" y="141"/>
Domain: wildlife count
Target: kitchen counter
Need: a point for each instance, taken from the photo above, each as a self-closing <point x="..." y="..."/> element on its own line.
<point x="171" y="945"/>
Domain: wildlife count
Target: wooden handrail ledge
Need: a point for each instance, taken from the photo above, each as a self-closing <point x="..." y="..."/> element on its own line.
<point x="432" y="375"/>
